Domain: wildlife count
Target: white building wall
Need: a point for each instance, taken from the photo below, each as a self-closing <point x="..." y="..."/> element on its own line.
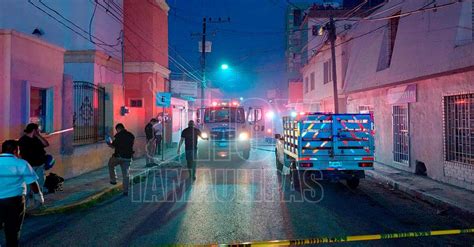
<point x="435" y="51"/>
<point x="426" y="44"/>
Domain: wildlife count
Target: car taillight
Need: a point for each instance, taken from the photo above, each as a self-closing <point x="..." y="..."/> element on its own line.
<point x="366" y="164"/>
<point x="306" y="165"/>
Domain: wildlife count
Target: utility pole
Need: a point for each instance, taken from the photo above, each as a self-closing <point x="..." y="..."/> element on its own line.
<point x="203" y="61"/>
<point x="332" y="38"/>
<point x="203" y="51"/>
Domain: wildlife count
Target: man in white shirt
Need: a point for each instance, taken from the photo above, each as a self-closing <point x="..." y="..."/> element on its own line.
<point x="158" y="131"/>
<point x="15" y="175"/>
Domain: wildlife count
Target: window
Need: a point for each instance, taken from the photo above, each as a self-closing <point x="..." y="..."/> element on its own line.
<point x="306" y="85"/>
<point x="388" y="45"/>
<point x="38" y="106"/>
<point x="327" y="69"/>
<point x="401" y="137"/>
<point x="459" y="128"/>
<point x="229" y="115"/>
<point x="138" y="103"/>
<point x="312" y="81"/>
<point x="296" y="17"/>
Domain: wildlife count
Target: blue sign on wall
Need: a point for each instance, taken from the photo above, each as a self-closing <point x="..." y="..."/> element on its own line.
<point x="163" y="99"/>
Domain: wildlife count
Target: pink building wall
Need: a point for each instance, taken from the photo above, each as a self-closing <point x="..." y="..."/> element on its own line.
<point x="146" y="54"/>
<point x="28" y="62"/>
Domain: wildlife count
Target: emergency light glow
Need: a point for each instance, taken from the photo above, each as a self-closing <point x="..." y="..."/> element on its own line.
<point x="235" y="103"/>
<point x="270" y="114"/>
<point x="244" y="136"/>
<point x="293" y="114"/>
<point x="302" y="113"/>
<point x="269" y="131"/>
<point x="214" y="103"/>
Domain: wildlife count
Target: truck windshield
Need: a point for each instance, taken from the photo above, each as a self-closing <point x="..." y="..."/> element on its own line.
<point x="224" y="114"/>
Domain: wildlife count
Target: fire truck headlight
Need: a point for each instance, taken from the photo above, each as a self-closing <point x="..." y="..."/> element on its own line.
<point x="270" y="115"/>
<point x="244" y="136"/>
<point x="204" y="135"/>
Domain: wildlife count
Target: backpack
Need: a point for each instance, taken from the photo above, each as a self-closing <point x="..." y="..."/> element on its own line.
<point x="149" y="131"/>
<point x="54" y="183"/>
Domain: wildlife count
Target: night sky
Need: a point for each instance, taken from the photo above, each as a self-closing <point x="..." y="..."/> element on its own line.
<point x="252" y="43"/>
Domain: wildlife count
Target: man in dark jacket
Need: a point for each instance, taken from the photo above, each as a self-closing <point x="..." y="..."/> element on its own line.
<point x="190" y="138"/>
<point x="150" y="142"/>
<point x="123" y="145"/>
<point x="32" y="146"/>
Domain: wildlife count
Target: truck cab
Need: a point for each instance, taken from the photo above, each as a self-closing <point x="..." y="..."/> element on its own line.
<point x="225" y="127"/>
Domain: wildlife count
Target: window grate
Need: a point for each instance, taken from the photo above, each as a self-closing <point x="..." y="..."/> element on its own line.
<point x="89" y="113"/>
<point x="459" y="128"/>
<point x="401" y="137"/>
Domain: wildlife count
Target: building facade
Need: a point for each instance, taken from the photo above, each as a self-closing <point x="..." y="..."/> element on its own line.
<point x="415" y="73"/>
<point x="63" y="64"/>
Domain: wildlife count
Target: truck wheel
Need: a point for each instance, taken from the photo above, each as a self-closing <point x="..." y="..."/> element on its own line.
<point x="279" y="166"/>
<point x="353" y="182"/>
<point x="295" y="176"/>
<point x="246" y="154"/>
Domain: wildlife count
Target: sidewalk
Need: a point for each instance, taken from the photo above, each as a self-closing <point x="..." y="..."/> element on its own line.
<point x="424" y="188"/>
<point x="83" y="189"/>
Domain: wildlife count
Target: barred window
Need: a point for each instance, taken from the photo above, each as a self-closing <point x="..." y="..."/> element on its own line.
<point x="401" y="136"/>
<point x="327" y="69"/>
<point x="459" y="128"/>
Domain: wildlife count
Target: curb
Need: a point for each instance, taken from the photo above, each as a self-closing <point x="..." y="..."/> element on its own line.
<point x="92" y="199"/>
<point x="425" y="196"/>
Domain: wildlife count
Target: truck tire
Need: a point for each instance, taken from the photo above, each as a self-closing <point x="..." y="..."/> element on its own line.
<point x="278" y="164"/>
<point x="246" y="154"/>
<point x="295" y="176"/>
<point x="353" y="182"/>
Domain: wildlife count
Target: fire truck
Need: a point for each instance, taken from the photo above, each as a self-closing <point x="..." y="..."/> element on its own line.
<point x="224" y="125"/>
<point x="337" y="146"/>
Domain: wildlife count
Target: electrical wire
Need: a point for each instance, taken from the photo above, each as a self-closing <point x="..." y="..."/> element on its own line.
<point x="77" y="26"/>
<point x="172" y="59"/>
<point x="90" y="29"/>
<point x="65" y="25"/>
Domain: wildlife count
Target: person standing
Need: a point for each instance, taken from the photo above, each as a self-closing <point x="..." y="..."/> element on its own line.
<point x="190" y="138"/>
<point x="32" y="146"/>
<point x="158" y="130"/>
<point x="150" y="142"/>
<point x="15" y="175"/>
<point x="123" y="145"/>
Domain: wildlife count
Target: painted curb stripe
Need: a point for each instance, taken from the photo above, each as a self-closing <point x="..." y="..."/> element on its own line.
<point x="355" y="238"/>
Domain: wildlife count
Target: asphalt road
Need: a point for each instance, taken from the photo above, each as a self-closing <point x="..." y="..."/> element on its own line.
<point x="244" y="201"/>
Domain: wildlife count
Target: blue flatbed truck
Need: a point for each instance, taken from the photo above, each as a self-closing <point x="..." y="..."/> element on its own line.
<point x="337" y="146"/>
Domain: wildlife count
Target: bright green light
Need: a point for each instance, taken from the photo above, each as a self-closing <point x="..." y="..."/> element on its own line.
<point x="224" y="66"/>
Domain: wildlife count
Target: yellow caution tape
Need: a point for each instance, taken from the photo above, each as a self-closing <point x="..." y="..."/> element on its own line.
<point x="323" y="240"/>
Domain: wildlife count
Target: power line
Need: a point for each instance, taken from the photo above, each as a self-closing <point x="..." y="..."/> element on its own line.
<point x="422" y="9"/>
<point x="173" y="60"/>
<point x="79" y="27"/>
<point x="66" y="26"/>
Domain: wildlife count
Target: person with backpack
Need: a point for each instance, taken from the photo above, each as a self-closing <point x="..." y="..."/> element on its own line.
<point x="150" y="145"/>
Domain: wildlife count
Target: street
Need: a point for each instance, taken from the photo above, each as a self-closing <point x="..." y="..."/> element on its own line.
<point x="227" y="206"/>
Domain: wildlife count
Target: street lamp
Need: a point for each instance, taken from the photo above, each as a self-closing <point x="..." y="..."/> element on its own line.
<point x="224" y="66"/>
